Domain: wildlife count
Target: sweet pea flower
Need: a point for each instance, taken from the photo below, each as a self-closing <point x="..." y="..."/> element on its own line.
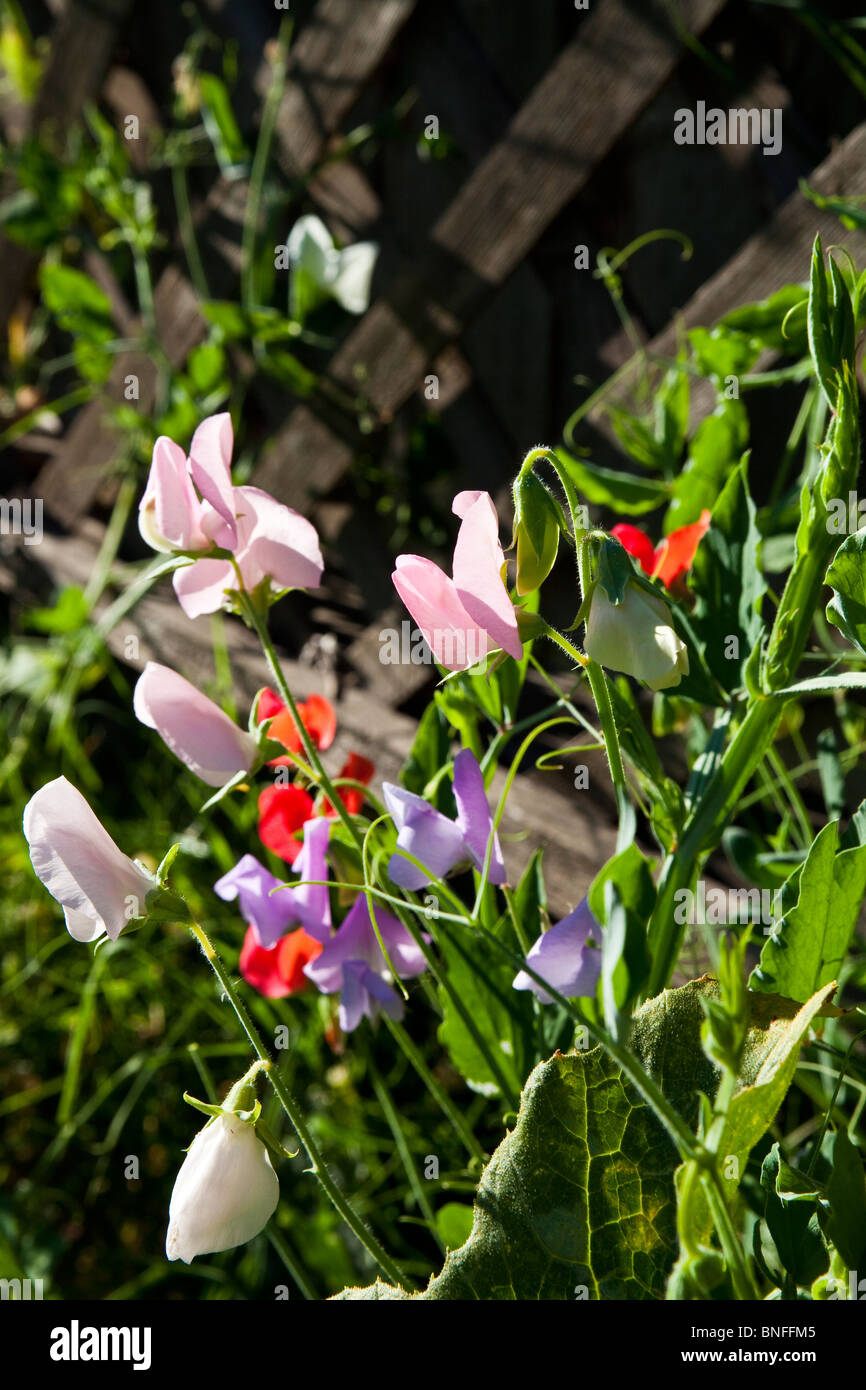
<point x="275" y="545"/>
<point x="567" y="956"/>
<point x="352" y="962"/>
<point x="196" y="730"/>
<point x="190" y="505"/>
<point x="344" y="275"/>
<point x="636" y="636"/>
<point x="358" y="769"/>
<point x="283" y="810"/>
<point x="278" y="972"/>
<point x="317" y="716"/>
<point x="99" y="888"/>
<point x="466" y="617"/>
<point x="270" y="907"/>
<point x="225" y="1193"/>
<point x="671" y="560"/>
<point x="440" y="843"/>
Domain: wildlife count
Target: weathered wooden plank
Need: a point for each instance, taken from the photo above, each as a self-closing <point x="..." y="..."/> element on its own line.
<point x="590" y="96"/>
<point x="70" y="479"/>
<point x="336" y="51"/>
<point x="776" y="255"/>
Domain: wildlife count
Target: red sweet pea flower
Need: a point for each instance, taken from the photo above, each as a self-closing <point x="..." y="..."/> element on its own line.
<point x="672" y="558"/>
<point x="280" y="971"/>
<point x="317" y="716"/>
<point x="360" y="770"/>
<point x="283" y="810"/>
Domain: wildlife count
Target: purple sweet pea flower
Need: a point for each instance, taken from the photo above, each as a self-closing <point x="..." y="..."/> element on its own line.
<point x="270" y="913"/>
<point x="440" y="843"/>
<point x="352" y="961"/>
<point x="566" y="958"/>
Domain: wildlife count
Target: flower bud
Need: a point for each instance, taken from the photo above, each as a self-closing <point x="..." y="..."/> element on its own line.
<point x="636" y="636"/>
<point x="536" y="532"/>
<point x="225" y="1193"/>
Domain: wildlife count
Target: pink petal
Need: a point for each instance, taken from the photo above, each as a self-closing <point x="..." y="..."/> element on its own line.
<point x="210" y="457"/>
<point x="201" y="586"/>
<point x="195" y="729"/>
<point x="478" y="561"/>
<point x="455" y="640"/>
<point x="275" y="542"/>
<point x="171" y="501"/>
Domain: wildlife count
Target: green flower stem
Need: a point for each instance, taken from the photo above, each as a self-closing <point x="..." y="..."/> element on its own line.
<point x="260" y="626"/>
<point x="260" y="164"/>
<point x="600" y="693"/>
<point x="702" y="829"/>
<point x="731" y="1241"/>
<point x="291" y="1264"/>
<point x="445" y="1104"/>
<point x="317" y="1165"/>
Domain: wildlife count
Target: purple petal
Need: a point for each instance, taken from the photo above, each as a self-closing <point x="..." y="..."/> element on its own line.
<point x="312" y="901"/>
<point x="473" y="814"/>
<point x="269" y="914"/>
<point x="563" y="957"/>
<point x="425" y="833"/>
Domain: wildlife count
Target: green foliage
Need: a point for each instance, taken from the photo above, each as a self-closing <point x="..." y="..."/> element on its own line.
<point x="809" y="943"/>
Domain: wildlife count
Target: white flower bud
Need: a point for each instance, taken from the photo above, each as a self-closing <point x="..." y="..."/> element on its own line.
<point x="636" y="636"/>
<point x="225" y="1192"/>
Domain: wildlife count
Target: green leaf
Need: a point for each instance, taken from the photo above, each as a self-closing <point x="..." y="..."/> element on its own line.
<point x="625" y="963"/>
<point x="205" y="367"/>
<point x="578" y="1200"/>
<point x="504" y="1016"/>
<point x="622" y="492"/>
<point x="727" y="581"/>
<point x="77" y="302"/>
<point x="845" y="1191"/>
<point x="221" y="126"/>
<point x="847" y="578"/>
<point x="717" y="446"/>
<point x="809" y="943"/>
<point x="454" y="1222"/>
<point x="788" y="1240"/>
<point x="721" y="353"/>
<point x="778" y="322"/>
<point x="429" y="751"/>
<point x="69" y="613"/>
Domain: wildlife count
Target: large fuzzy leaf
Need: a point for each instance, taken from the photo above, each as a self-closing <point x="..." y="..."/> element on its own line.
<point x="578" y="1200"/>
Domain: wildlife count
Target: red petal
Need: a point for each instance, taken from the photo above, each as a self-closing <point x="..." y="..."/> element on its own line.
<point x="676" y="552"/>
<point x="320" y="720"/>
<point x="637" y="544"/>
<point x="280" y="971"/>
<point x="269" y="704"/>
<point x="360" y="769"/>
<point x="282" y="812"/>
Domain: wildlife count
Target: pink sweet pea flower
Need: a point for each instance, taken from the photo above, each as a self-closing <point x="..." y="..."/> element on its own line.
<point x="99" y="888"/>
<point x="466" y="617"/>
<point x="271" y="544"/>
<point x="195" y="729"/>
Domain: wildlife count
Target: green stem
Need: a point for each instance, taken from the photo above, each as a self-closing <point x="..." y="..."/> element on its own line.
<point x="260" y="164"/>
<point x="446" y="1105"/>
<point x="299" y="1124"/>
<point x="321" y="777"/>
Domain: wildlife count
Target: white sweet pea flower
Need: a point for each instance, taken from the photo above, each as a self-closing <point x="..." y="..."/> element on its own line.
<point x="225" y="1193"/>
<point x="98" y="886"/>
<point x="637" y="637"/>
<point x="342" y="275"/>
